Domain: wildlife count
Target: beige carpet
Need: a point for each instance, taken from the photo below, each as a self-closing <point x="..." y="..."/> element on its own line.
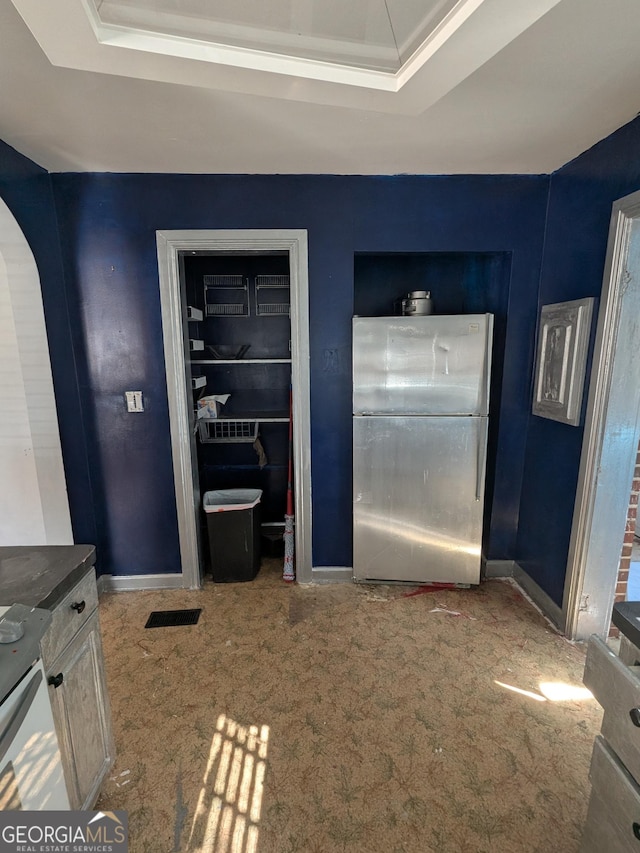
<point x="328" y="719"/>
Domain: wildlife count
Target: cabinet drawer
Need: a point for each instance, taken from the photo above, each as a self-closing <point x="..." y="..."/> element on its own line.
<point x="613" y="819"/>
<point x="616" y="686"/>
<point x="69" y="617"/>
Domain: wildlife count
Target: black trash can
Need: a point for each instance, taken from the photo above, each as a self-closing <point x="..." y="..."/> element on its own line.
<point x="233" y="526"/>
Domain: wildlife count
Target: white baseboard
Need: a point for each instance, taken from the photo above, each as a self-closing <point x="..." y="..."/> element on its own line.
<point x="539" y="597"/>
<point x="331" y="574"/>
<point x="498" y="568"/>
<point x="130" y="583"/>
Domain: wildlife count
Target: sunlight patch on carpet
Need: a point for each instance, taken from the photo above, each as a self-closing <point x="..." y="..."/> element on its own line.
<point x="230" y="802"/>
<point x="528" y="693"/>
<point x="559" y="691"/>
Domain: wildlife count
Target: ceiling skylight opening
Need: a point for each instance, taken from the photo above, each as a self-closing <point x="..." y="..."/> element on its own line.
<point x="373" y="35"/>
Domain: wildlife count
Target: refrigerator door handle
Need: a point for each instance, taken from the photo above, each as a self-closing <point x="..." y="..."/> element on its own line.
<point x="481" y="457"/>
<point x="486" y="368"/>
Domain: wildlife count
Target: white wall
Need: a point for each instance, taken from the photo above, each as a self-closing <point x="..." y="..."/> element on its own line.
<point x="34" y="509"/>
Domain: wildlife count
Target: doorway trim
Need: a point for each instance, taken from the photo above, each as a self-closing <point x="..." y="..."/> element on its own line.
<point x="612" y="430"/>
<point x="171" y="244"/>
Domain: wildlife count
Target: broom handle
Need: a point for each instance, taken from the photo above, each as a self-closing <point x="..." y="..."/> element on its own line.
<point x="288" y="573"/>
<point x="290" y="472"/>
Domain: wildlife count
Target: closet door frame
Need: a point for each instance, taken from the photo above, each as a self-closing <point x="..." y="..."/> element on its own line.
<point x="171" y="246"/>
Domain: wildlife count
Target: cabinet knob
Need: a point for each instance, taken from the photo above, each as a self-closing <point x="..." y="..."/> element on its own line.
<point x="80" y="605"/>
<point x="636" y="829"/>
<point x="55" y="680"/>
<point x="634" y="713"/>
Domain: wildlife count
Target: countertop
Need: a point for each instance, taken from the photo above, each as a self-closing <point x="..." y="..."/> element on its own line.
<point x="626" y="617"/>
<point x="41" y="575"/>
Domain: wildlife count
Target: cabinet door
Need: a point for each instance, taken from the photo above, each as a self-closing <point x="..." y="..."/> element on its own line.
<point x="81" y="714"/>
<point x="614" y="807"/>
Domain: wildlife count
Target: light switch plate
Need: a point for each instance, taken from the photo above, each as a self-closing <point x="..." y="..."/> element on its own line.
<point x="134" y="401"/>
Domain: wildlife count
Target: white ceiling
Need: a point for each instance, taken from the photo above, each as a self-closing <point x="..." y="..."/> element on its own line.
<point x="494" y="88"/>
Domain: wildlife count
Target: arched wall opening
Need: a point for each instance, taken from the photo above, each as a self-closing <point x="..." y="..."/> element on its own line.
<point x="34" y="508"/>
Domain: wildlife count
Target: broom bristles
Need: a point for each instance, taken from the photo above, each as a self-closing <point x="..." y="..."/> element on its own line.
<point x="288" y="573"/>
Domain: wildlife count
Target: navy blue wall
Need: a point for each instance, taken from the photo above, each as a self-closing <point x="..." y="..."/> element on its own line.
<point x="103" y="321"/>
<point x="108" y="225"/>
<point x="26" y="190"/>
<point x="581" y="196"/>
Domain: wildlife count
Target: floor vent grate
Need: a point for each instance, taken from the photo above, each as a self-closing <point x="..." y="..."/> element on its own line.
<point x="169" y="618"/>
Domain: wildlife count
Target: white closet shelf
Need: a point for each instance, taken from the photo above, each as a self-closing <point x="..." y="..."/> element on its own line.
<point x="242" y="361"/>
<point x="261" y="418"/>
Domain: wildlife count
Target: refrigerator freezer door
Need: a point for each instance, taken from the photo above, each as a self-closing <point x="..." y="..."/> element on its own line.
<point x="438" y="365"/>
<point x="418" y="490"/>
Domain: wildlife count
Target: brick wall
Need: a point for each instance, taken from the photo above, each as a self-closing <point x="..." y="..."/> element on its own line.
<point x="627" y="545"/>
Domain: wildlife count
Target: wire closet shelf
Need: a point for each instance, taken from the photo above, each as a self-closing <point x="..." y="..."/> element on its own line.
<point x="227" y="431"/>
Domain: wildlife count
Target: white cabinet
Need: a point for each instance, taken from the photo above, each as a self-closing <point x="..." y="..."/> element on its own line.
<point x="74" y="665"/>
<point x="613" y="819"/>
<point x="614" y="806"/>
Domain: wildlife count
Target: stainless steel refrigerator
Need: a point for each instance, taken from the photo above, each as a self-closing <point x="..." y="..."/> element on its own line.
<point x="420" y="406"/>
